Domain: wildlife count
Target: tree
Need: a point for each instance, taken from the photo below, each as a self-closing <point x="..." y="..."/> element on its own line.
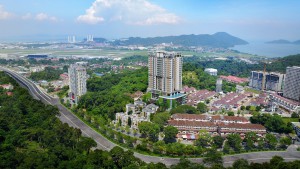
<point x="243" y="107"/>
<point x="248" y="107"/>
<point x="204" y="139"/>
<point x="250" y="139"/>
<point x="213" y="157"/>
<point x="218" y="141"/>
<point x="86" y="143"/>
<point x="226" y="148"/>
<point x="271" y="140"/>
<point x="159" y="147"/>
<point x="275" y="161"/>
<point x="161" y="119"/>
<point x="258" y="108"/>
<point x="234" y="141"/>
<point x="170" y="134"/>
<point x="149" y="130"/>
<point x="241" y="164"/>
<point x="230" y="113"/>
<point x="295" y="115"/>
<point x="285" y="141"/>
<point x="129" y="122"/>
<point x="201" y="107"/>
<point x="187" y="164"/>
<point x="183" y="109"/>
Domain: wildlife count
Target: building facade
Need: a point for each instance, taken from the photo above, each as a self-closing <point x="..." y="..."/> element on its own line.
<point x="219" y="85"/>
<point x="291" y="88"/>
<point x="165" y="77"/>
<point x="270" y="81"/>
<point x="77" y="81"/>
<point x="165" y="72"/>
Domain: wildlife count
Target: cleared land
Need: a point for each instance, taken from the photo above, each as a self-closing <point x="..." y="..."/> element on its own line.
<point x="109" y="53"/>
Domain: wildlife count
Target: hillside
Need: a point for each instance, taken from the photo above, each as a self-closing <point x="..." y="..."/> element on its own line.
<point x="283" y="41"/>
<point x="280" y="41"/>
<point x="220" y="39"/>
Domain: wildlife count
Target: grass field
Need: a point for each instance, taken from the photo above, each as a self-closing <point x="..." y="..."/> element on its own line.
<point x="109" y="52"/>
<point x="288" y="119"/>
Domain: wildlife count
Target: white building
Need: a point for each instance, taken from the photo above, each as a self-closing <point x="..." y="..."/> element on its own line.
<point x="137" y="112"/>
<point x="211" y="71"/>
<point x="219" y="85"/>
<point x="77" y="81"/>
<point x="37" y="69"/>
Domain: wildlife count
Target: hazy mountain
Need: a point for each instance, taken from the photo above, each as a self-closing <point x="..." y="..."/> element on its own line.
<point x="280" y="41"/>
<point x="220" y="39"/>
<point x="297" y="42"/>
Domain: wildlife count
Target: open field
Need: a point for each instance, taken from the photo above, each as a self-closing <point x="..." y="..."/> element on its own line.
<point x="109" y="53"/>
<point x="288" y="119"/>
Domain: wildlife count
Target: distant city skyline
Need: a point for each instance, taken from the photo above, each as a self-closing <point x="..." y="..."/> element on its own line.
<point x="111" y="19"/>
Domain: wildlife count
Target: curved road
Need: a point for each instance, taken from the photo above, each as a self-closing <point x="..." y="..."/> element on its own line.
<point x="102" y="143"/>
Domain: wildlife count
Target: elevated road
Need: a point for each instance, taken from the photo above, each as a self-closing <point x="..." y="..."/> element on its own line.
<point x="102" y="143"/>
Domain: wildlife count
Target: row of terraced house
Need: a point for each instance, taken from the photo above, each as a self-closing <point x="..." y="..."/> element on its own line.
<point x="189" y="125"/>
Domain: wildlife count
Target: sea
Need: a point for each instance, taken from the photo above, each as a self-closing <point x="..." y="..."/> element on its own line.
<point x="268" y="50"/>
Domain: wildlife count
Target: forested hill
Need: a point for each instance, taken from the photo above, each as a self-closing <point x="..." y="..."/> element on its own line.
<point x="237" y="68"/>
<point x="283" y="41"/>
<point x="220" y="39"/>
<point x="281" y="63"/>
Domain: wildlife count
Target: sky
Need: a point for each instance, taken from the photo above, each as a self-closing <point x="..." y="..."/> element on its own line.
<point x="251" y="20"/>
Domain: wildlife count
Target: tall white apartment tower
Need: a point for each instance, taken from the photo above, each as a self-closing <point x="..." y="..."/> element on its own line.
<point x="165" y="73"/>
<point x="219" y="85"/>
<point x="77" y="81"/>
<point x="291" y="88"/>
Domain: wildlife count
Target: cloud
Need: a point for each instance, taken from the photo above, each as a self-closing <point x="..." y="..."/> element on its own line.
<point x="136" y="12"/>
<point x="45" y="17"/>
<point x="4" y="14"/>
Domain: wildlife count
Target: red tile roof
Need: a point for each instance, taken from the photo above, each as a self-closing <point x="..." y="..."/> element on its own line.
<point x="190" y="117"/>
<point x="234" y="79"/>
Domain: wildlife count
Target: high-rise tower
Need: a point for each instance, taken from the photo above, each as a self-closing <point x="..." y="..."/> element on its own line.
<point x="77" y="81"/>
<point x="165" y="72"/>
<point x="219" y="85"/>
<point x="291" y="88"/>
<point x="165" y="76"/>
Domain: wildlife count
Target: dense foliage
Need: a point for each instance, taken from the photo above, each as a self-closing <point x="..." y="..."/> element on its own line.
<point x="48" y="74"/>
<point x="194" y="76"/>
<point x="239" y="68"/>
<point x="110" y="93"/>
<point x="31" y="136"/>
<point x="273" y="122"/>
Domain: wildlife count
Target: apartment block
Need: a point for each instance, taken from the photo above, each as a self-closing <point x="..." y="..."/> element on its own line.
<point x="291" y="88"/>
<point x="270" y="81"/>
<point x="165" y="76"/>
<point x="77" y="81"/>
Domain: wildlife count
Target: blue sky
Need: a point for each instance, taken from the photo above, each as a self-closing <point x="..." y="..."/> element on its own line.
<point x="247" y="19"/>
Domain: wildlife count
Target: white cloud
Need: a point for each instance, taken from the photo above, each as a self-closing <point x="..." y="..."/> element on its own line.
<point x="45" y="17"/>
<point x="4" y="14"/>
<point x="136" y="12"/>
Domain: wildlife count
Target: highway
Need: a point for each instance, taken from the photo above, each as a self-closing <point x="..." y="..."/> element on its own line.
<point x="102" y="143"/>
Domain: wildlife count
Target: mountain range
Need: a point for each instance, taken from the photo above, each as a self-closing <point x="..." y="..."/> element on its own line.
<point x="283" y="41"/>
<point x="220" y="39"/>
